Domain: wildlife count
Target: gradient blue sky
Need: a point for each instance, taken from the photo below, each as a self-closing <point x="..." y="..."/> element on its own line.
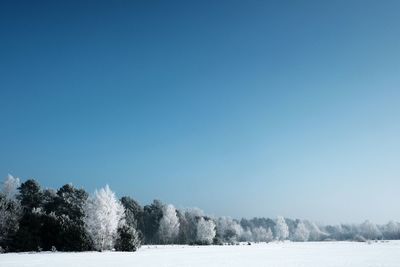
<point x="242" y="108"/>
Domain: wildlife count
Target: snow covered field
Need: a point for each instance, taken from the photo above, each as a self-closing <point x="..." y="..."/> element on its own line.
<point x="311" y="254"/>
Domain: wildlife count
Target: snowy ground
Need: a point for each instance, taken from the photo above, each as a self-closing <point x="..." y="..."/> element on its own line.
<point x="318" y="254"/>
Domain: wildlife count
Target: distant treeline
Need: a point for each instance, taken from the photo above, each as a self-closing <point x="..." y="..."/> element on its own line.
<point x="69" y="219"/>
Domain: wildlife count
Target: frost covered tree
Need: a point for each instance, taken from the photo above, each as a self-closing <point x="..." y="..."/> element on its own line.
<point x="369" y="230"/>
<point x="316" y="234"/>
<point x="32" y="218"/>
<point x="281" y="229"/>
<point x="169" y="225"/>
<point x="270" y="236"/>
<point x="10" y="186"/>
<point x="10" y="210"/>
<point x="205" y="231"/>
<point x="260" y="234"/>
<point x="10" y="213"/>
<point x="246" y="235"/>
<point x="391" y="230"/>
<point x="103" y="214"/>
<point x="228" y="229"/>
<point x="188" y="225"/>
<point x="301" y="233"/>
<point x="334" y="231"/>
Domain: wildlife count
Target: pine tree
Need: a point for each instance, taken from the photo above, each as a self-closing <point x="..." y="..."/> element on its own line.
<point x="133" y="215"/>
<point x="28" y="236"/>
<point x="152" y="215"/>
<point x="128" y="239"/>
<point x="69" y="209"/>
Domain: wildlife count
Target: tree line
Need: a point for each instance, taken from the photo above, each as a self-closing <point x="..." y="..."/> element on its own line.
<point x="69" y="219"/>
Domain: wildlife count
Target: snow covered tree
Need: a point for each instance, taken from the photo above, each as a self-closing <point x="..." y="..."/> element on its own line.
<point x="391" y="230"/>
<point x="316" y="234"/>
<point x="269" y="236"/>
<point x="291" y="226"/>
<point x="301" y="233"/>
<point x="334" y="232"/>
<point x="369" y="230"/>
<point x="281" y="229"/>
<point x="259" y="234"/>
<point x="205" y="231"/>
<point x="246" y="235"/>
<point x="169" y="225"/>
<point x="347" y="231"/>
<point x="188" y="225"/>
<point x="228" y="229"/>
<point x="103" y="214"/>
<point x="10" y="187"/>
<point x="10" y="213"/>
<point x="10" y="210"/>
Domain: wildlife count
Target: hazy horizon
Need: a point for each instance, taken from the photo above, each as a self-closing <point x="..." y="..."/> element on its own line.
<point x="241" y="108"/>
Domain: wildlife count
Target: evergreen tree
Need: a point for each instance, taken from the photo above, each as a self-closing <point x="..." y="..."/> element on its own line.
<point x="133" y="215"/>
<point x="10" y="213"/>
<point x="128" y="239"/>
<point x="68" y="208"/>
<point x="28" y="236"/>
<point x="152" y="216"/>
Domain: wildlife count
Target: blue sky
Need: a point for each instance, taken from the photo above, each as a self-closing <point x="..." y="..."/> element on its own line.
<point x="241" y="108"/>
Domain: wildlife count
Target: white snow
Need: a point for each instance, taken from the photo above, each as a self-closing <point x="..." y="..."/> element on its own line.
<point x="288" y="254"/>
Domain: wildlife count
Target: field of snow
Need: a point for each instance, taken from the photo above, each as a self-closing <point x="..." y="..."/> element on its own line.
<point x="288" y="254"/>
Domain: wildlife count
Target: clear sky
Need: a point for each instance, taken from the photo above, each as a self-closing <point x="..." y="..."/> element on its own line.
<point x="241" y="108"/>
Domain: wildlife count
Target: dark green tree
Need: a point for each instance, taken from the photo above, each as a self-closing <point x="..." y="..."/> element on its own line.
<point x="10" y="213"/>
<point x="128" y="239"/>
<point x="152" y="216"/>
<point x="30" y="195"/>
<point x="28" y="236"/>
<point x="133" y="213"/>
<point x="69" y="203"/>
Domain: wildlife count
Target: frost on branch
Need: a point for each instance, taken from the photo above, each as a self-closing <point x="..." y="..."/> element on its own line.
<point x="169" y="225"/>
<point x="301" y="233"/>
<point x="103" y="214"/>
<point x="281" y="229"/>
<point x="205" y="231"/>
